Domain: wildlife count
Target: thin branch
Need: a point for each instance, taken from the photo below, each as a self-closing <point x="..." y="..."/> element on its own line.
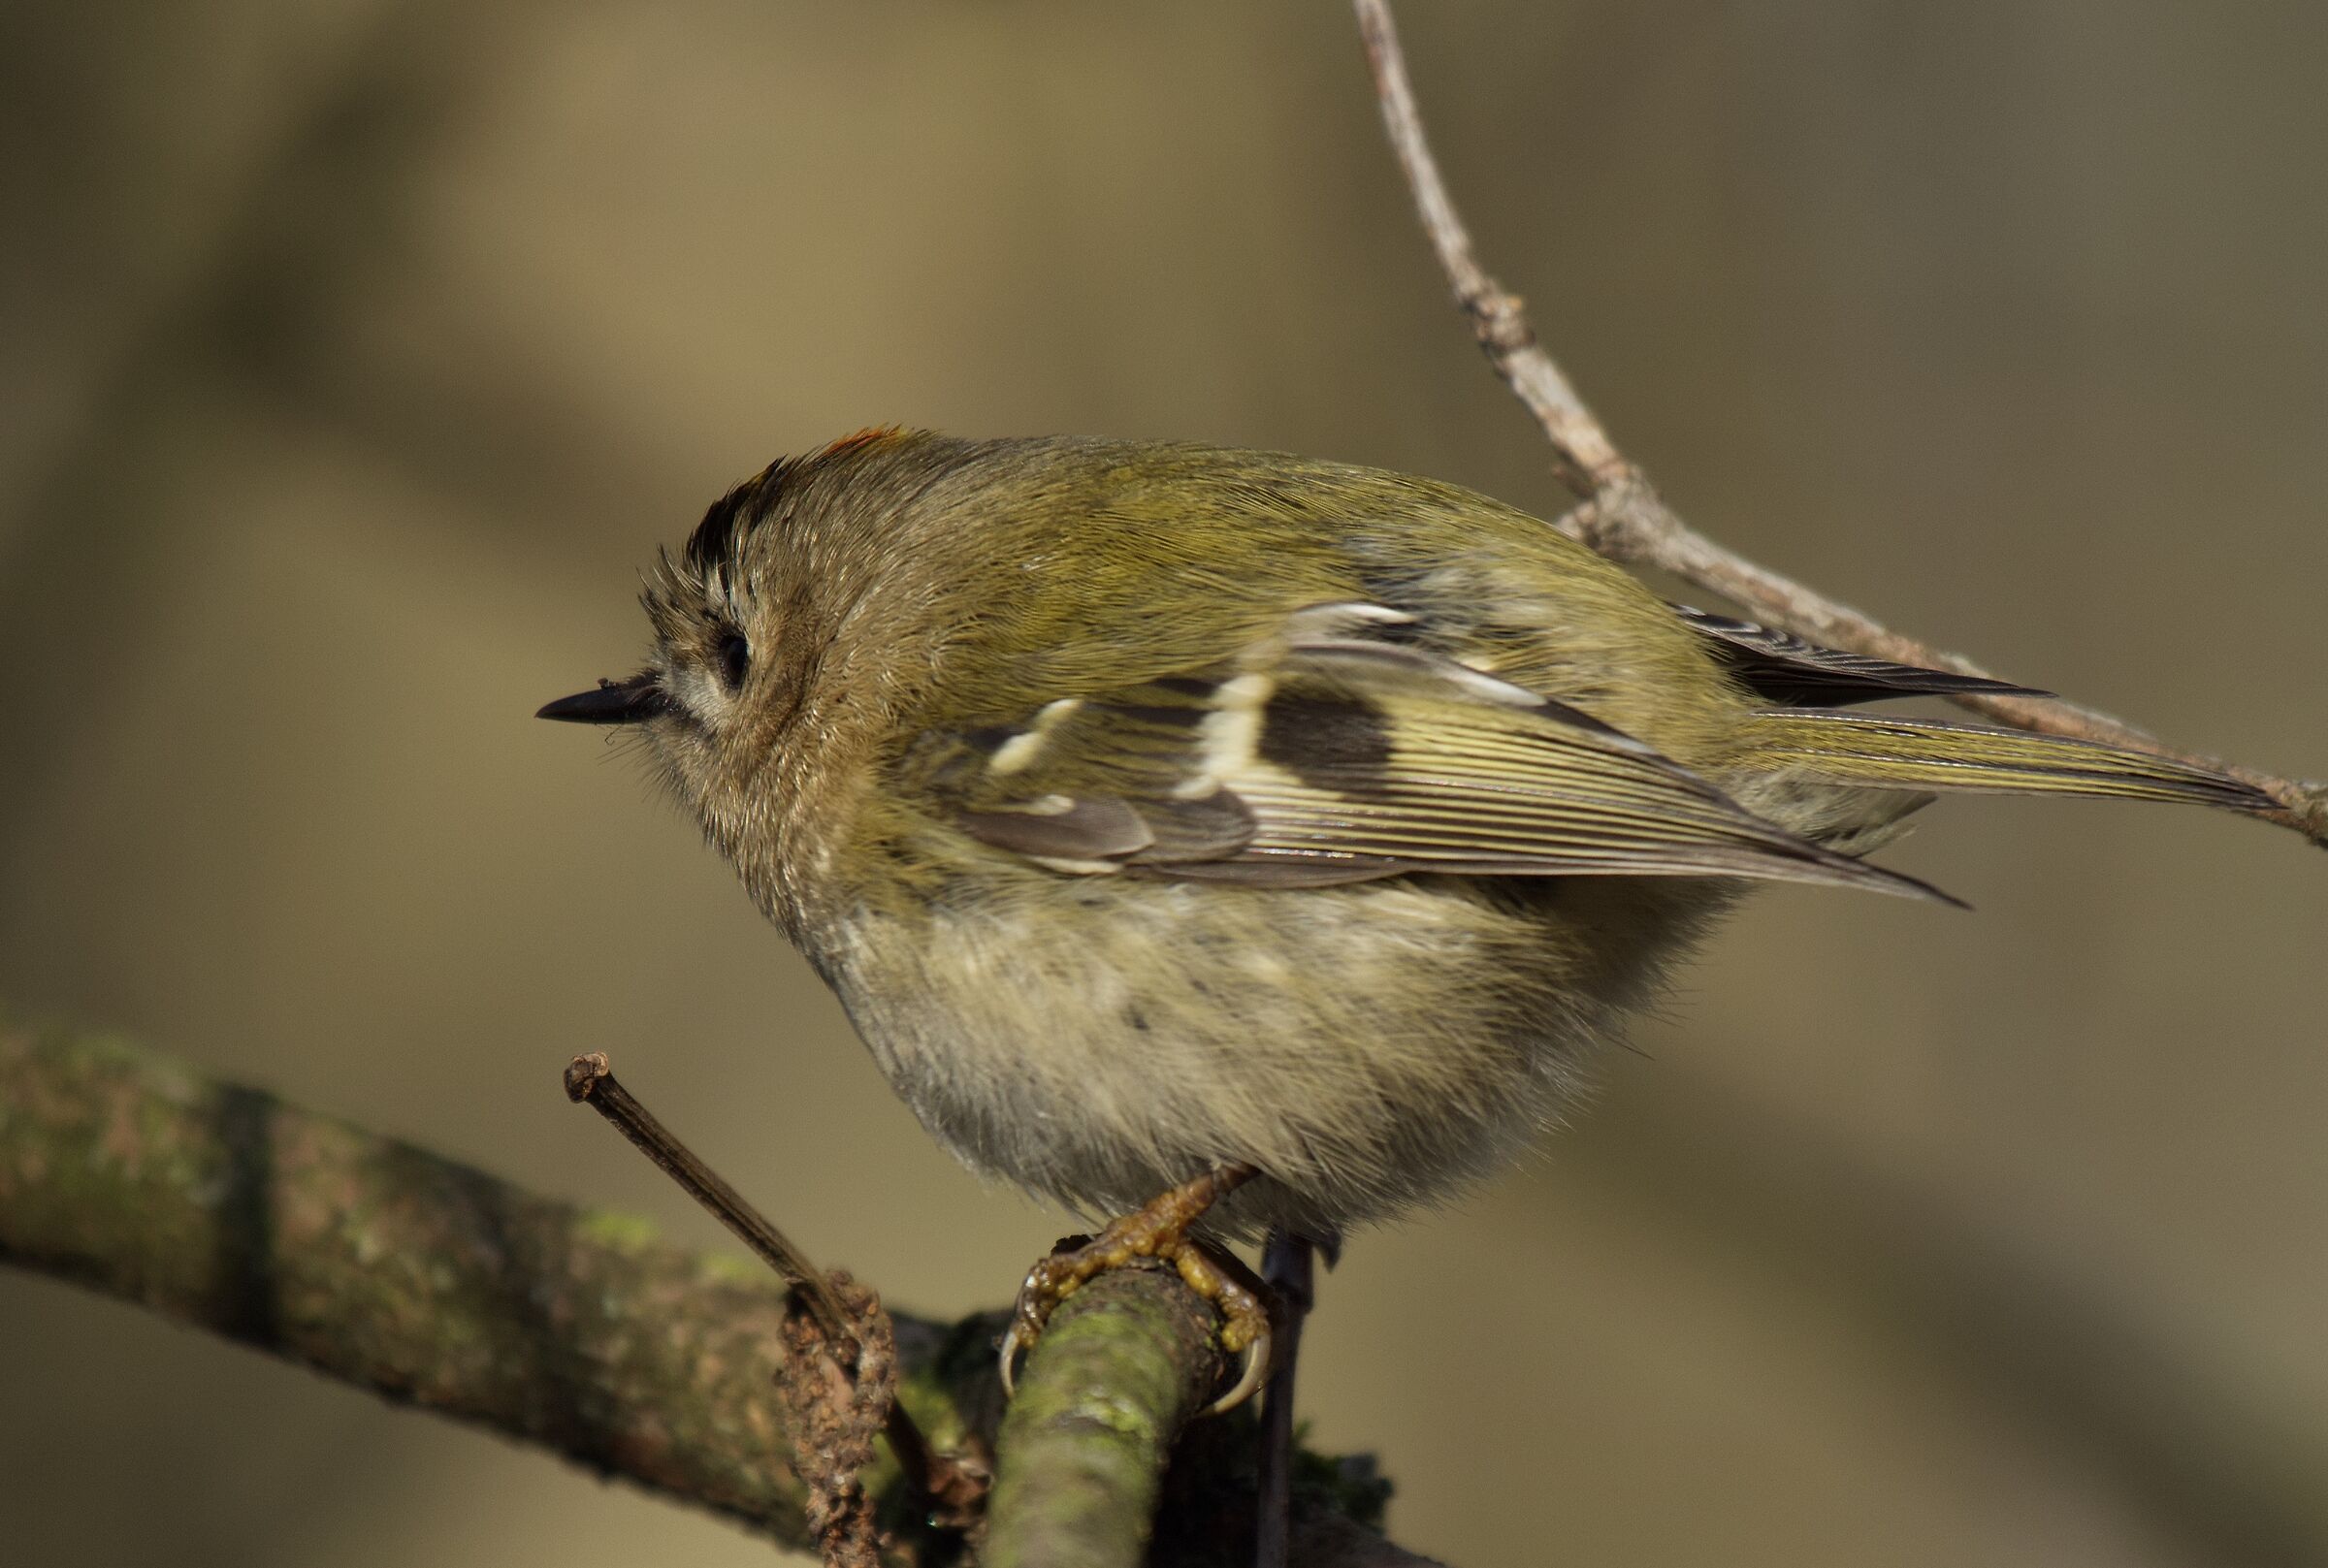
<point x="949" y="1482"/>
<point x="589" y="1080"/>
<point x="1288" y="1267"/>
<point x="432" y="1283"/>
<point x="1622" y="517"/>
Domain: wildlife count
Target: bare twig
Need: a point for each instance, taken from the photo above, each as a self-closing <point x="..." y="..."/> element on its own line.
<point x="952" y="1485"/>
<point x="1622" y="517"/>
<point x="589" y="1080"/>
<point x="1287" y="1267"/>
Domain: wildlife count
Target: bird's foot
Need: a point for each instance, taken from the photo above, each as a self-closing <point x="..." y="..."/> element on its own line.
<point x="1159" y="1230"/>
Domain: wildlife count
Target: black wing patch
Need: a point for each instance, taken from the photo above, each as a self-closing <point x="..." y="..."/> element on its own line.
<point x="1781" y="667"/>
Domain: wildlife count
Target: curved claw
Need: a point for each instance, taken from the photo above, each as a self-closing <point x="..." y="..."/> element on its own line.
<point x="1251" y="1372"/>
<point x="1014" y="1344"/>
<point x="1158" y="1231"/>
<point x="1249" y="1377"/>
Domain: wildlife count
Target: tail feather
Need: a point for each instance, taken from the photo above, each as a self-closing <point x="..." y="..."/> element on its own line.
<point x="1908" y="754"/>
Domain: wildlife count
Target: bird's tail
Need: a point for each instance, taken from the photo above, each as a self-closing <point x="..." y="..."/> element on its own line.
<point x="1906" y="754"/>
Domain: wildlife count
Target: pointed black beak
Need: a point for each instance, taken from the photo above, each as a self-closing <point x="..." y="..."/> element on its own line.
<point x="610" y="702"/>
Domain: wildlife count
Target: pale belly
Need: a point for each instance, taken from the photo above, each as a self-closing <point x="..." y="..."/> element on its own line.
<point x="1368" y="1048"/>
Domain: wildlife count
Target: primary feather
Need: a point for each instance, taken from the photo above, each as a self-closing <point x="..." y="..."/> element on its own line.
<point x="1785" y="668"/>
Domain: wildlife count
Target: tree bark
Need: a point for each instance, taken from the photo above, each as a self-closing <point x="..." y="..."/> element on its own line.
<point x="434" y="1284"/>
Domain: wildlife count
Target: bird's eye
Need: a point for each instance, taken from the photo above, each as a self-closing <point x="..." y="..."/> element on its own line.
<point x="735" y="658"/>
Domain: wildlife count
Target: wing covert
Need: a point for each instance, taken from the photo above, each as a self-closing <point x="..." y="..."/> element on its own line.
<point x="1328" y="757"/>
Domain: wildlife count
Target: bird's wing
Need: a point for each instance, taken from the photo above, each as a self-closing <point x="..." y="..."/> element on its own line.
<point x="1782" y="667"/>
<point x="1334" y="756"/>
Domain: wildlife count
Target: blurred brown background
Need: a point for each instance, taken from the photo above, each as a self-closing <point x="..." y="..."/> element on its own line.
<point x="357" y="355"/>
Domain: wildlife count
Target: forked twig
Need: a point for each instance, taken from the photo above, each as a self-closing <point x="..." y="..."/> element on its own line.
<point x="1622" y="517"/>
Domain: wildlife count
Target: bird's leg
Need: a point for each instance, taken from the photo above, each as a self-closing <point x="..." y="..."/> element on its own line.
<point x="1159" y="1230"/>
<point x="1287" y="1269"/>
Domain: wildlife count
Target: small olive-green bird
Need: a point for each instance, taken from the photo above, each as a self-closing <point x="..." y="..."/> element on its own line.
<point x="1288" y="834"/>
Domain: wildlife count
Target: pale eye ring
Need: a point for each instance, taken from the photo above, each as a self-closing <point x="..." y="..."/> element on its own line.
<point x="734" y="655"/>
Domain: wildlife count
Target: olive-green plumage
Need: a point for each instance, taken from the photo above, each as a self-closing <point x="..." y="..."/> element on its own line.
<point x="1153" y="806"/>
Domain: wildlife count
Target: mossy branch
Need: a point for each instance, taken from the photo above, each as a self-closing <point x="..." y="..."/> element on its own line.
<point x="431" y="1282"/>
<point x="1119" y="1376"/>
